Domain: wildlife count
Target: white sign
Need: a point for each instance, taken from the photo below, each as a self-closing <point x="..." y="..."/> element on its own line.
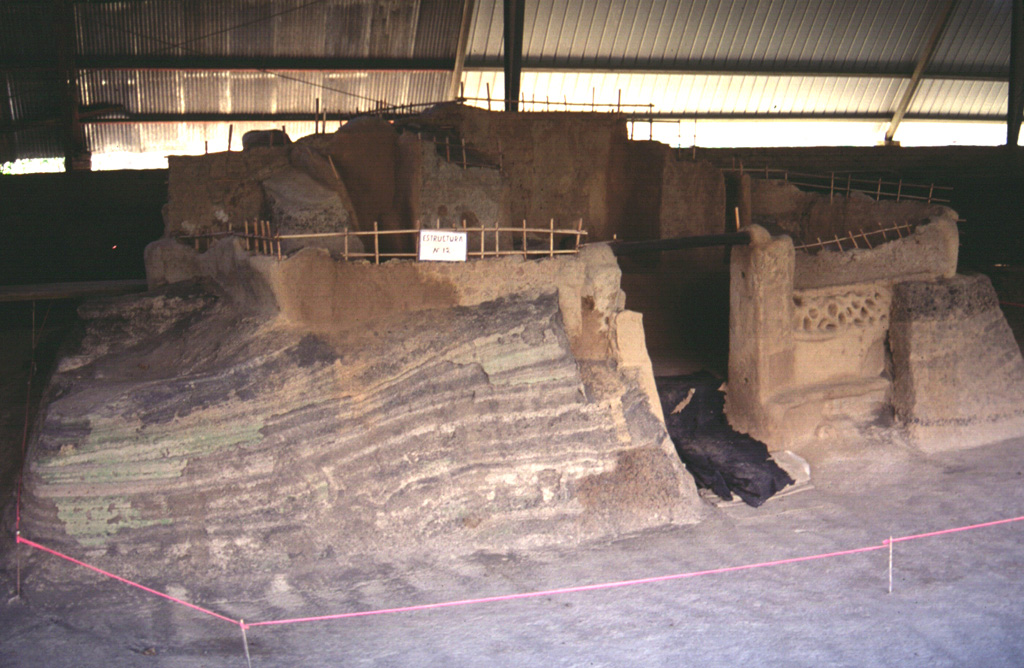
<point x="442" y="246"/>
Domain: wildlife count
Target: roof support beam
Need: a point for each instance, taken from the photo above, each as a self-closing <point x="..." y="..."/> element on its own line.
<point x="684" y="69"/>
<point x="460" y="50"/>
<point x="515" y="15"/>
<point x="642" y="117"/>
<point x="922" y="63"/>
<point x="1015" y="103"/>
<point x="242" y="63"/>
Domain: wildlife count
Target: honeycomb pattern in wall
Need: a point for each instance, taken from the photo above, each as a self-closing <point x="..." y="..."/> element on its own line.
<point x="833" y="313"/>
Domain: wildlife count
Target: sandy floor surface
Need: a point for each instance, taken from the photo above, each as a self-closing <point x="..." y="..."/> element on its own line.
<point x="957" y="599"/>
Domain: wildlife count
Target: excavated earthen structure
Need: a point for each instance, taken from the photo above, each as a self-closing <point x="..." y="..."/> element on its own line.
<point x="281" y="417"/>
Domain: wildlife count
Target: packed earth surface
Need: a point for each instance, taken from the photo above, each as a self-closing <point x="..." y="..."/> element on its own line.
<point x="956" y="598"/>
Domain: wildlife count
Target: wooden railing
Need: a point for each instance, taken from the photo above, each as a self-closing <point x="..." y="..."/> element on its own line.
<point x="850" y="240"/>
<point x="259" y="237"/>
<point x="845" y="184"/>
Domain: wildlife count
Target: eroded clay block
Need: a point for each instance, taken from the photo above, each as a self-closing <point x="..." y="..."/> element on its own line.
<point x="958" y="372"/>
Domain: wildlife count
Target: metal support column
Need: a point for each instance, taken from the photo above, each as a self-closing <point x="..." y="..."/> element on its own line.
<point x="515" y="14"/>
<point x="76" y="150"/>
<point x="1015" y="102"/>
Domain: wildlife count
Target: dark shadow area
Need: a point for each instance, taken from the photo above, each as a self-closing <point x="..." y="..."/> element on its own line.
<point x="720" y="458"/>
<point x="79" y="226"/>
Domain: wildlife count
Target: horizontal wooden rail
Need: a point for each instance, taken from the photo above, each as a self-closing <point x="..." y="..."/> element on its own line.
<point x="259" y="237"/>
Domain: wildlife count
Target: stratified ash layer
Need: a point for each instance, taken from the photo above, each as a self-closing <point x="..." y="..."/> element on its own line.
<point x="199" y="439"/>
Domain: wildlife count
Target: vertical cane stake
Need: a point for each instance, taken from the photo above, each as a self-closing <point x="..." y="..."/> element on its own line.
<point x="245" y="643"/>
<point x="376" y="244"/>
<point x="890" y="564"/>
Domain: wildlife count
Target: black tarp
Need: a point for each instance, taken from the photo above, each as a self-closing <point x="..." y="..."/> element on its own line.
<point x="719" y="458"/>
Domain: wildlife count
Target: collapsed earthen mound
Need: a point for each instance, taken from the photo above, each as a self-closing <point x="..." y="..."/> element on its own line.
<point x="225" y="426"/>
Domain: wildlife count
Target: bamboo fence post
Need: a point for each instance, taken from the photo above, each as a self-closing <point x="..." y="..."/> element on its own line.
<point x="525" y="255"/>
<point x="277" y="236"/>
<point x="463" y="152"/>
<point x="551" y="238"/>
<point x="579" y="231"/>
<point x="497" y="234"/>
<point x="231" y="131"/>
<point x="488" y="84"/>
<point x="417" y="238"/>
<point x="483" y="234"/>
<point x="345" y="255"/>
<point x="831" y="186"/>
<point x="334" y="169"/>
<point x="848" y="186"/>
<point x="899" y="190"/>
<point x="316" y="118"/>
<point x="245" y="225"/>
<point x="878" y="193"/>
<point x="839" y="243"/>
<point x="898" y="233"/>
<point x="931" y="190"/>
<point x="376" y="244"/>
<point x="853" y="239"/>
<point x="447" y="149"/>
<point x="865" y="238"/>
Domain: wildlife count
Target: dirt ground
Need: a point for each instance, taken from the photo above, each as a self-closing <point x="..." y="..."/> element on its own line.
<point x="957" y="599"/>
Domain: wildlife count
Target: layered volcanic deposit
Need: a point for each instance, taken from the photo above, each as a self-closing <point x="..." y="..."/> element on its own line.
<point x="270" y="417"/>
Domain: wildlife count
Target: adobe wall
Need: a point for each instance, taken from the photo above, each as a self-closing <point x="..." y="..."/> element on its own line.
<point x="810" y="336"/>
<point x="206" y="193"/>
<point x="958" y="372"/>
<point x="683" y="295"/>
<point x="782" y="208"/>
<point x="564" y="166"/>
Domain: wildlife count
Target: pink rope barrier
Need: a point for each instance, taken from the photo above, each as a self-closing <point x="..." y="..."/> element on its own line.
<point x="526" y="595"/>
<point x="108" y="574"/>
<point x="955" y="530"/>
<point x="567" y="590"/>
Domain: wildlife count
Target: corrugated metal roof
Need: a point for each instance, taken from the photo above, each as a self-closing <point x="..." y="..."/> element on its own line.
<point x="172" y="138"/>
<point x="829" y="58"/>
<point x="952" y="98"/>
<point x="883" y="36"/>
<point x="697" y="94"/>
<point x="977" y="40"/>
<point x="221" y="92"/>
<point x="329" y="28"/>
